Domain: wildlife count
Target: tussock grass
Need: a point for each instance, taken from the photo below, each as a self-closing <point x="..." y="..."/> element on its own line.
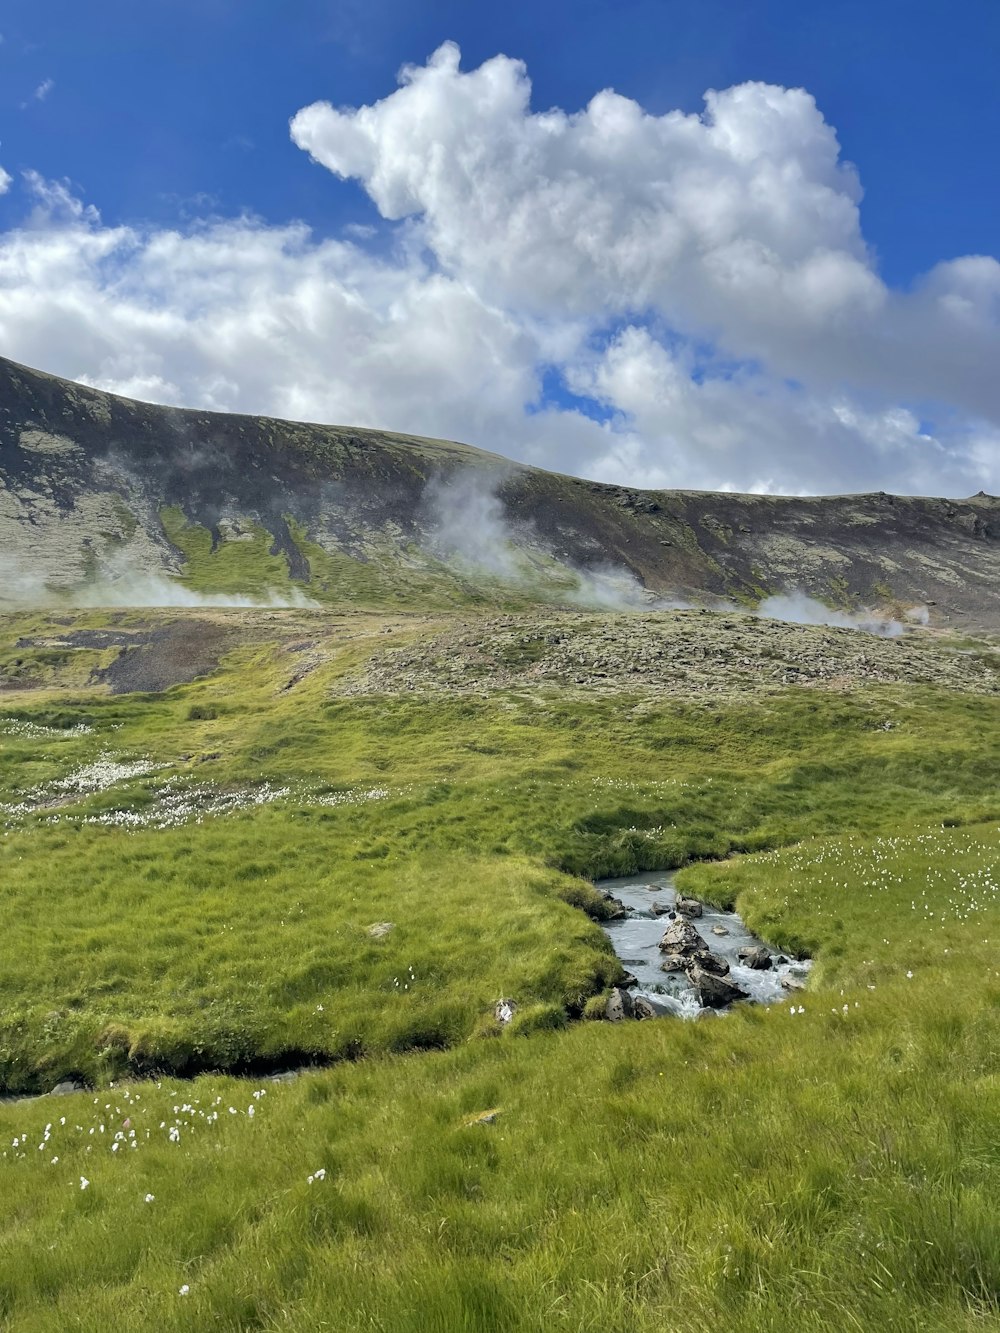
<point x="838" y="1164"/>
<point x="833" y="1168"/>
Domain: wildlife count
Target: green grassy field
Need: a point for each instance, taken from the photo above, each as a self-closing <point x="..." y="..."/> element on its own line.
<point x="191" y="880"/>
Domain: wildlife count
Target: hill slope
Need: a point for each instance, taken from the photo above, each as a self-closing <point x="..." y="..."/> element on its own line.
<point x="103" y="499"/>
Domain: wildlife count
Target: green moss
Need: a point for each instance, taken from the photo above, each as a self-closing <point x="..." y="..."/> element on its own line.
<point x="243" y="566"/>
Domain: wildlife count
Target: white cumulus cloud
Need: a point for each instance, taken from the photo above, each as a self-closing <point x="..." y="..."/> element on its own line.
<point x="678" y="300"/>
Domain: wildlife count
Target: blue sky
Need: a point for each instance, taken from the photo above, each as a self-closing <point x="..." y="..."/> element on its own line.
<point x="164" y="117"/>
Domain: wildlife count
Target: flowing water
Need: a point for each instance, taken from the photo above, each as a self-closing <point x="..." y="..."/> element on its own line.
<point x="636" y="940"/>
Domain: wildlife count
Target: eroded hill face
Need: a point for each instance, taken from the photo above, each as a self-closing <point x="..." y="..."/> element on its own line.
<point x="107" y="501"/>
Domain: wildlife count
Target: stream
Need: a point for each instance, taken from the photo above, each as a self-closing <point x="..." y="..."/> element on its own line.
<point x="636" y="938"/>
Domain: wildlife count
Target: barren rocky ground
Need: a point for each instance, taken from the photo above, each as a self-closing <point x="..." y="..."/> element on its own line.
<point x="682" y="654"/>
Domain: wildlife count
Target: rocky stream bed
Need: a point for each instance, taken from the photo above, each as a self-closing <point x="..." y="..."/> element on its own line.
<point x="687" y="958"/>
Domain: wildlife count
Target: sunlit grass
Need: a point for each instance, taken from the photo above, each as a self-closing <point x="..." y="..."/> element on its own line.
<point x="840" y="1161"/>
<point x="829" y="1168"/>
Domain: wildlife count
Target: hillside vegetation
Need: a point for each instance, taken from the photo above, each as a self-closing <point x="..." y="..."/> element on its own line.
<point x="238" y="841"/>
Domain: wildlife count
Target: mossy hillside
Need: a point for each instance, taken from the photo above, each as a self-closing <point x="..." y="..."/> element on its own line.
<point x="251" y="563"/>
<point x="246" y="565"/>
<point x="839" y="1161"/>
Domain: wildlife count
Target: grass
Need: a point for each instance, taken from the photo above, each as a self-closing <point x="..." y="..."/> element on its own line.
<point x="839" y="1162"/>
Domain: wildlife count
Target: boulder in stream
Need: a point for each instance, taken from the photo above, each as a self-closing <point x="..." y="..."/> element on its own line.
<point x="643" y="1008"/>
<point x="709" y="962"/>
<point x="755" y="956"/>
<point x="620" y="1005"/>
<point x="689" y="907"/>
<point x="614" y="908"/>
<point x="682" y="938"/>
<point x="714" y="992"/>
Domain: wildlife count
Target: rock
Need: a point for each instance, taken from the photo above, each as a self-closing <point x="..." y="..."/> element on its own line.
<point x="659" y="909"/>
<point x="66" y="1087"/>
<point x="790" y="984"/>
<point x="504" y="1011"/>
<point x="620" y="1005"/>
<point x="689" y="907"/>
<point x="628" y="979"/>
<point x="673" y="962"/>
<point x="642" y="1008"/>
<point x="682" y="938"/>
<point x="714" y="992"/>
<point x="755" y="956"/>
<point x="711" y="962"/>
<point x="379" y="929"/>
<point x="780" y="961"/>
<point x="484" y="1117"/>
<point x="720" y="930"/>
<point x="616" y="909"/>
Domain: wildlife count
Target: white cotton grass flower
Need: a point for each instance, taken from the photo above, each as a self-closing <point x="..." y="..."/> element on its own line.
<point x="317" y="1175"/>
<point x="150" y="1198"/>
<point x="183" y="1291"/>
<point x="84" y="1183"/>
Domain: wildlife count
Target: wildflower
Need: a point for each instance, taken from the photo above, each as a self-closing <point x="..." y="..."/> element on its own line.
<point x="183" y="1291"/>
<point x="55" y="1160"/>
<point x="909" y="976"/>
<point x="150" y="1198"/>
<point x="317" y="1175"/>
<point x="84" y="1182"/>
<point x="250" y="1111"/>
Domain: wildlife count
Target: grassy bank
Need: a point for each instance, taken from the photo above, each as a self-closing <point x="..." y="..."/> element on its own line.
<point x="839" y="1162"/>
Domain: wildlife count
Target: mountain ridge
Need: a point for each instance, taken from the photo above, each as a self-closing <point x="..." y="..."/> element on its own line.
<point x="98" y="491"/>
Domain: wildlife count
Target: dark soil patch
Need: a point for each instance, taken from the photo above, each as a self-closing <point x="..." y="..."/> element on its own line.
<point x="154" y="660"/>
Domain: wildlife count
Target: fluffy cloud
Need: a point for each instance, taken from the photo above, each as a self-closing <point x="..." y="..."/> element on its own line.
<point x="5" y="180"/>
<point x="610" y="209"/>
<point x="697" y="287"/>
<point x="740" y="224"/>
